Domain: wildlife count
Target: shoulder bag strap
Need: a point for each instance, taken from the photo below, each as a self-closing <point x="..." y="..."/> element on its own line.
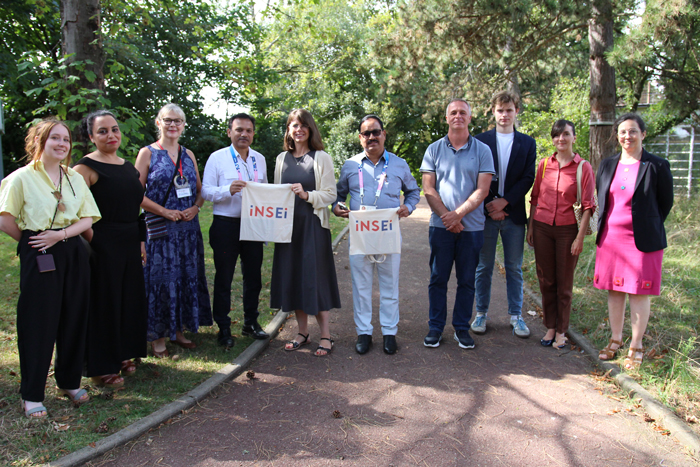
<point x="579" y="171"/>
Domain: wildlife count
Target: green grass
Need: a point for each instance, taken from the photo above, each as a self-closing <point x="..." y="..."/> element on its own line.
<point x="671" y="370"/>
<point x="155" y="383"/>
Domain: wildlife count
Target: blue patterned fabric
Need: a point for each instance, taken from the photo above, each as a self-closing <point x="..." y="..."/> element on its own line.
<point x="176" y="286"/>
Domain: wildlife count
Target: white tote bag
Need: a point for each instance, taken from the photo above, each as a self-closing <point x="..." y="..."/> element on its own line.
<point x="267" y="212"/>
<point x="375" y="232"/>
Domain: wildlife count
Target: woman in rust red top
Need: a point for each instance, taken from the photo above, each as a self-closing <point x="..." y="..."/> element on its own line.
<point x="553" y="230"/>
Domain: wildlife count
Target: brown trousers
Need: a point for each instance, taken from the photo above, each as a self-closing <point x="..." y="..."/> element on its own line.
<point x="555" y="271"/>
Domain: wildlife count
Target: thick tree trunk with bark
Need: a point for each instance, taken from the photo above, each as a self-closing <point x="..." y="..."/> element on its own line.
<point x="80" y="26"/>
<point x="602" y="95"/>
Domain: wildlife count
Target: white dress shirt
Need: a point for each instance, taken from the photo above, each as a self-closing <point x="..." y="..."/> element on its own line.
<point x="220" y="171"/>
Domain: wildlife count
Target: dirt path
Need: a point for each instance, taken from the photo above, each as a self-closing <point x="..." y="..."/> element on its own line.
<point x="507" y="402"/>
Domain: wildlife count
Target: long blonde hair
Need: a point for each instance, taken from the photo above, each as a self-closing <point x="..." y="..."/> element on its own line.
<point x="38" y="134"/>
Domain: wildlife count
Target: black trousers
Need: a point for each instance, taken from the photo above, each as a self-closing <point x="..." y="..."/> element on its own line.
<point x="52" y="307"/>
<point x="224" y="236"/>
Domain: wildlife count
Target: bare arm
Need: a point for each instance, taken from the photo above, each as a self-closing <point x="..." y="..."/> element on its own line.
<point x="49" y="238"/>
<point x="530" y="234"/>
<point x="453" y="219"/>
<point x="192" y="211"/>
<point x="477" y="197"/>
<point x="9" y="226"/>
<point x="431" y="194"/>
<point x="143" y="162"/>
<point x="90" y="177"/>
<point x="577" y="246"/>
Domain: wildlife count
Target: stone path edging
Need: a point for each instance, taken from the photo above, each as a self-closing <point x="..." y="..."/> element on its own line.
<point x="185" y="401"/>
<point x="656" y="409"/>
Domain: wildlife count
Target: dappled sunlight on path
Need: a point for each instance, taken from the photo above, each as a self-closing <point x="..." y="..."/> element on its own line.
<point x="508" y="402"/>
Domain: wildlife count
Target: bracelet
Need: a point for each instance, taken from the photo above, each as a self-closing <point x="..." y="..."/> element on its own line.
<point x="198" y="208"/>
<point x="65" y="234"/>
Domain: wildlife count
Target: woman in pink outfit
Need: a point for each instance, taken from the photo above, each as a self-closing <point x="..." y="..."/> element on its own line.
<point x="635" y="194"/>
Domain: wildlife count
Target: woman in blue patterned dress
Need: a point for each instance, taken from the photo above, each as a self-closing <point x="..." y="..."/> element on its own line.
<point x="176" y="287"/>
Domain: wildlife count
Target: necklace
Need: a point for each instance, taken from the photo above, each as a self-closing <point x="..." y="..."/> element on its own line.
<point x="57" y="180"/>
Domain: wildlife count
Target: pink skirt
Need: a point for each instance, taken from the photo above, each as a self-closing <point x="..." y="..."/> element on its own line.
<point x="619" y="265"/>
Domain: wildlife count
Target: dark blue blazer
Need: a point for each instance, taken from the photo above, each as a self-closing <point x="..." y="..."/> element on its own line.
<point x="520" y="174"/>
<point x="651" y="202"/>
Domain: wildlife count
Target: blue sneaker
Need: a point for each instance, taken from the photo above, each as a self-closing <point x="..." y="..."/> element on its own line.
<point x="464" y="339"/>
<point x="432" y="339"/>
<point x="479" y="324"/>
<point x="520" y="329"/>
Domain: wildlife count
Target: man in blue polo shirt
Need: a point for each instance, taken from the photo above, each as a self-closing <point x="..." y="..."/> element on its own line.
<point x="457" y="172"/>
<point x="375" y="179"/>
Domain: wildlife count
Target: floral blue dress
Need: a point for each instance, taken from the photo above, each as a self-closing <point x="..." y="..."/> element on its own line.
<point x="176" y="285"/>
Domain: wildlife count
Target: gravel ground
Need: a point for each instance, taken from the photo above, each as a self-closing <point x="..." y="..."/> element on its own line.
<point x="508" y="402"/>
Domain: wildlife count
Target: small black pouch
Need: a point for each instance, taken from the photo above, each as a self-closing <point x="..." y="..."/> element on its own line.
<point x="45" y="262"/>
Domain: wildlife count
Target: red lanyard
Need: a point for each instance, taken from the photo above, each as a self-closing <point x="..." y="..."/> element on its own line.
<point x="171" y="159"/>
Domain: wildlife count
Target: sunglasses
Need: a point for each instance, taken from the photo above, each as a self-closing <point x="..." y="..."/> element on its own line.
<point x="374" y="133"/>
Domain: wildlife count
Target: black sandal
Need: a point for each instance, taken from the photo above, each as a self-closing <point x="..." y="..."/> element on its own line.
<point x="295" y="344"/>
<point x="326" y="349"/>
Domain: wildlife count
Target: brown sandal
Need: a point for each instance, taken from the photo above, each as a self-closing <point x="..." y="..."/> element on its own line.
<point x="634" y="362"/>
<point x="128" y="368"/>
<point x="108" y="381"/>
<point x="608" y="352"/>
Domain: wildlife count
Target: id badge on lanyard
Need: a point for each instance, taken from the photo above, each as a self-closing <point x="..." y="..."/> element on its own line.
<point x="238" y="168"/>
<point x="182" y="186"/>
<point x="380" y="185"/>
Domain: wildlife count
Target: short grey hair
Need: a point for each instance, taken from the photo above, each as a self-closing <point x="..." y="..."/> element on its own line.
<point x="457" y="99"/>
<point x="166" y="109"/>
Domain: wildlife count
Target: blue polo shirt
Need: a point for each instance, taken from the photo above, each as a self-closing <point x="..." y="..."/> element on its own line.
<point x="398" y="179"/>
<point x="456" y="173"/>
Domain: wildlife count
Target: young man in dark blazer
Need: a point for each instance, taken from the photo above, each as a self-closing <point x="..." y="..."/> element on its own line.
<point x="514" y="157"/>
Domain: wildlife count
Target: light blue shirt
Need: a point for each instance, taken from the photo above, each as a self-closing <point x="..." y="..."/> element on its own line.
<point x="398" y="179"/>
<point x="456" y="176"/>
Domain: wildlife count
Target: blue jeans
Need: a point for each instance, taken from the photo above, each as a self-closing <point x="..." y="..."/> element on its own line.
<point x="513" y="239"/>
<point x="447" y="248"/>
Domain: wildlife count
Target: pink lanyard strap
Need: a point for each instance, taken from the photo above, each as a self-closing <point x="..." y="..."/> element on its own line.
<point x="380" y="183"/>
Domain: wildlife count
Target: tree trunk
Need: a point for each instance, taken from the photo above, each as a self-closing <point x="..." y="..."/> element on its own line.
<point x="602" y="95"/>
<point x="80" y="27"/>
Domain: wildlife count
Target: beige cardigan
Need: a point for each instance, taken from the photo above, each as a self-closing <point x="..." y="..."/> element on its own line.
<point x="325" y="193"/>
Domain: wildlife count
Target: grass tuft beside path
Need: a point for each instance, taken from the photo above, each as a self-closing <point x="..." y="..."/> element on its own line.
<point x="671" y="369"/>
<point x="156" y="382"/>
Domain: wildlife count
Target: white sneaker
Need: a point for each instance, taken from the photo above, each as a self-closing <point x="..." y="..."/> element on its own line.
<point x="520" y="329"/>
<point x="479" y="324"/>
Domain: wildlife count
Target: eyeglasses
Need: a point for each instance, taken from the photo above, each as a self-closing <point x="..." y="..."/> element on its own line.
<point x="628" y="132"/>
<point x="170" y="121"/>
<point x="374" y="133"/>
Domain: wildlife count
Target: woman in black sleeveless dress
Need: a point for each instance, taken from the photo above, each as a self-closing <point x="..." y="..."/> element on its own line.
<point x="117" y="318"/>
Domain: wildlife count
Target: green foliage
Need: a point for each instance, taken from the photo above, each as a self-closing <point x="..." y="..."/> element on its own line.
<point x="670" y="370"/>
<point x="665" y="48"/>
<point x="156" y="52"/>
<point x="568" y="101"/>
